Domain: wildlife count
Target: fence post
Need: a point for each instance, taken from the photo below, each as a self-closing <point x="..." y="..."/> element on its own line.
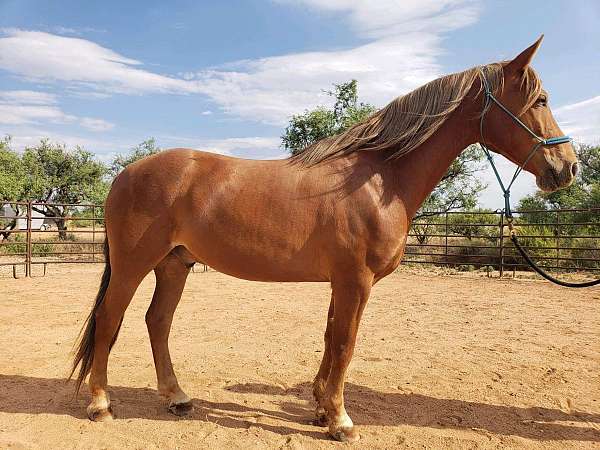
<point x="557" y="233"/>
<point x="94" y="233"/>
<point x="446" y="233"/>
<point x="501" y="244"/>
<point x="28" y="244"/>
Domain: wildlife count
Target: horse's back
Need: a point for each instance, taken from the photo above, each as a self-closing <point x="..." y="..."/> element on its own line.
<point x="156" y="181"/>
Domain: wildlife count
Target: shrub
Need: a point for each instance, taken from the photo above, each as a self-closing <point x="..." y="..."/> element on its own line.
<point x="41" y="249"/>
<point x="82" y="218"/>
<point x="485" y="226"/>
<point x="15" y="245"/>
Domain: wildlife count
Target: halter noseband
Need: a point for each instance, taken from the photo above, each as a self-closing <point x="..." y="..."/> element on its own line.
<point x="488" y="99"/>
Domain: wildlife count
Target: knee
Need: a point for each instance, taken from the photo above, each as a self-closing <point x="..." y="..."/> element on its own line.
<point x="343" y="352"/>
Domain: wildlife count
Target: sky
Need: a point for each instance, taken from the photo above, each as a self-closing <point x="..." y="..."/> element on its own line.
<point x="226" y="76"/>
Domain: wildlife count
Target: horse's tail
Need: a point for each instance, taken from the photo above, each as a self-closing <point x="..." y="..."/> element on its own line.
<point x="85" y="348"/>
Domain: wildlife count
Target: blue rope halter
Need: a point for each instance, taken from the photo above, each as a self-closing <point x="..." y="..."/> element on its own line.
<point x="488" y="99"/>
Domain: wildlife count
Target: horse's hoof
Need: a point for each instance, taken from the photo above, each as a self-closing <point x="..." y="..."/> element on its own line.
<point x="320" y="419"/>
<point x="345" y="434"/>
<point x="100" y="414"/>
<point x="181" y="409"/>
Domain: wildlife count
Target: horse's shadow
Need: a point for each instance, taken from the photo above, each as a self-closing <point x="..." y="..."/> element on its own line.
<point x="29" y="395"/>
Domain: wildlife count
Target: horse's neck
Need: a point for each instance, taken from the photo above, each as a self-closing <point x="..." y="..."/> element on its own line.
<point x="417" y="173"/>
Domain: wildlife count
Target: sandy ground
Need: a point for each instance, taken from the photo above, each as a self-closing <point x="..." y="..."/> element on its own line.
<point x="441" y="362"/>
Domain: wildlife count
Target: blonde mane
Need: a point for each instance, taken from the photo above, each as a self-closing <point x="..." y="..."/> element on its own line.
<point x="409" y="120"/>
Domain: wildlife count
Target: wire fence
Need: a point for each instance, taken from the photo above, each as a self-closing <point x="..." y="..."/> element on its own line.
<point x="38" y="234"/>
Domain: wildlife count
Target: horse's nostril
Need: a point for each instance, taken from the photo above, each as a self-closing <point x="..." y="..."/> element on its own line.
<point x="574" y="168"/>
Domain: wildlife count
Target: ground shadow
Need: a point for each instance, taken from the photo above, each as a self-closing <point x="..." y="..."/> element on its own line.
<point x="20" y="394"/>
<point x="30" y="395"/>
<point x="367" y="406"/>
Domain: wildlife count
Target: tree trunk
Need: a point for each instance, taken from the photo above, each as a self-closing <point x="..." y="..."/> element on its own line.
<point x="61" y="224"/>
<point x="57" y="216"/>
<point x="7" y="228"/>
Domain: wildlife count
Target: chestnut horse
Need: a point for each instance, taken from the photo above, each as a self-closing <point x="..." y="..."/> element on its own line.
<point x="339" y="213"/>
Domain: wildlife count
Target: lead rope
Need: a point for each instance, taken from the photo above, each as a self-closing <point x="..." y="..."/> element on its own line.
<point x="489" y="97"/>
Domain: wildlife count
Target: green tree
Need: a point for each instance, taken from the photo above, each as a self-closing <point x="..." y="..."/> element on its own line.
<point x="536" y="207"/>
<point x="12" y="172"/>
<point x="58" y="175"/>
<point x="143" y="149"/>
<point x="12" y="184"/>
<point x="458" y="189"/>
<point x="312" y="126"/>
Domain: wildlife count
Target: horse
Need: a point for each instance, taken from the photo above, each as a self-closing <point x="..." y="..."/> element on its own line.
<point x="338" y="212"/>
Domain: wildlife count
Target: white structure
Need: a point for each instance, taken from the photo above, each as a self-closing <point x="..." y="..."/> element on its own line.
<point x="37" y="219"/>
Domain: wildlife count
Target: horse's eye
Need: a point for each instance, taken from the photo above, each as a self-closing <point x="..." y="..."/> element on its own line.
<point x="542" y="101"/>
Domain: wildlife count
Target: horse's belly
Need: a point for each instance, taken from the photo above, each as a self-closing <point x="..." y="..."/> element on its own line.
<point x="258" y="259"/>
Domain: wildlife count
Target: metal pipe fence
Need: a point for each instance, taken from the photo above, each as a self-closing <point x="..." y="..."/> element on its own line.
<point x="560" y="240"/>
<point x="32" y="234"/>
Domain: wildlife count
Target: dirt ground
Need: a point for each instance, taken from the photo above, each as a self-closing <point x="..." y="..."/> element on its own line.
<point x="441" y="362"/>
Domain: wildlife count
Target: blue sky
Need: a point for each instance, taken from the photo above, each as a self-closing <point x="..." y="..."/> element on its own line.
<point x="226" y="76"/>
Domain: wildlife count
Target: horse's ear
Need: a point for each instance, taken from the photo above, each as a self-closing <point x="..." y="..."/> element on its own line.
<point x="518" y="65"/>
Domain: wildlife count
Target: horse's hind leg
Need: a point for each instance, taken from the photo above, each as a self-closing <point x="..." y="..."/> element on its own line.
<point x="128" y="269"/>
<point x="108" y="320"/>
<point x="171" y="274"/>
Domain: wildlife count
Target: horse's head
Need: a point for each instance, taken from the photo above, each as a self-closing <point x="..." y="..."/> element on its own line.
<point x="554" y="166"/>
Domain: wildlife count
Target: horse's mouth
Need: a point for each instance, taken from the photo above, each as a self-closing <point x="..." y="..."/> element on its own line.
<point x="552" y="181"/>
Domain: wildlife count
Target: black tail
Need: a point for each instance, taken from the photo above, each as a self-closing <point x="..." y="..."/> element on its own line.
<point x="85" y="348"/>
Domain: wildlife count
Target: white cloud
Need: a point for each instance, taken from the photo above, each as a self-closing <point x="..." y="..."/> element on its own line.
<point x="240" y="144"/>
<point x="271" y="89"/>
<point x="96" y="124"/>
<point x="76" y="31"/>
<point x="45" y="57"/>
<point x="20" y="114"/>
<point x="206" y="113"/>
<point x="33" y="107"/>
<point x="405" y="38"/>
<point x="267" y="89"/>
<point x="403" y="42"/>
<point x="385" y="18"/>
<point x="106" y="149"/>
<point x="21" y="107"/>
<point x="581" y="120"/>
<point x="28" y="136"/>
<point x="264" y="146"/>
<point x="28" y="97"/>
<point x="65" y="30"/>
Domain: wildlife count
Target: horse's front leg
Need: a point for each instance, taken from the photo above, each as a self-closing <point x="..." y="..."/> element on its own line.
<point x="320" y="381"/>
<point x="350" y="297"/>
